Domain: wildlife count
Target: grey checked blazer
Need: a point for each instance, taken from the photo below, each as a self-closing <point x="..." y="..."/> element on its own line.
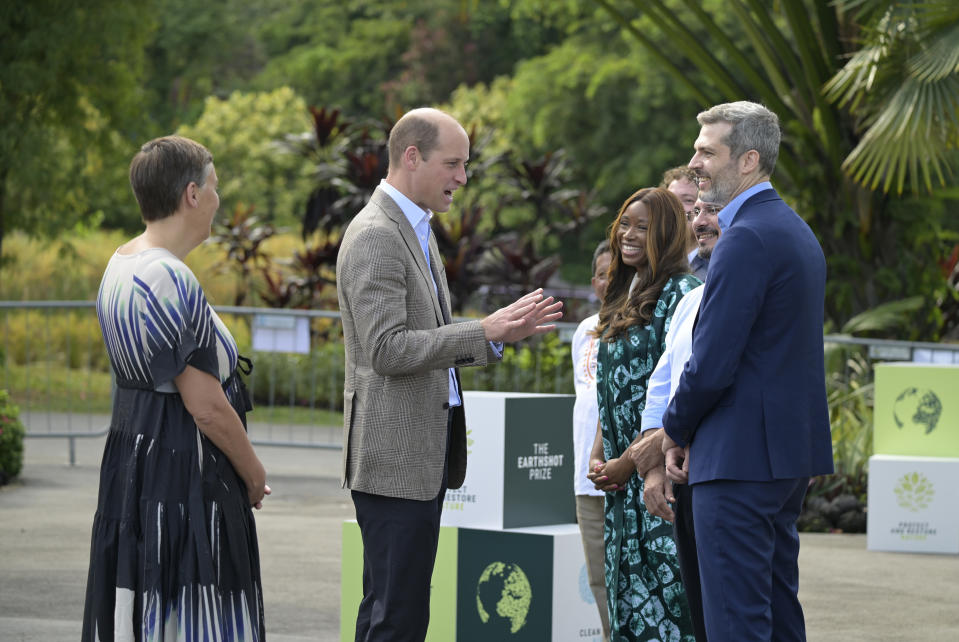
<point x="399" y="348"/>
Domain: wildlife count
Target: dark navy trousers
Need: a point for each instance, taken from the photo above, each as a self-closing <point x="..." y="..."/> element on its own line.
<point x="748" y="549"/>
<point x="400" y="537"/>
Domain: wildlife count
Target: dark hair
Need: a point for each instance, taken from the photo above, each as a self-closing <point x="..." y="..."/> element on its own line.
<point x="678" y="174"/>
<point x="753" y="127"/>
<point x="601" y="249"/>
<point x="665" y="257"/>
<point x="162" y="169"/>
<point x="418" y="128"/>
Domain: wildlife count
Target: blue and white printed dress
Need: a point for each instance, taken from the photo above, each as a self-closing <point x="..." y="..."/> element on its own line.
<point x="174" y="553"/>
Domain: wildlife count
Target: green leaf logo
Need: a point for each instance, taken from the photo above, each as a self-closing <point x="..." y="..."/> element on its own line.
<point x="914" y="492"/>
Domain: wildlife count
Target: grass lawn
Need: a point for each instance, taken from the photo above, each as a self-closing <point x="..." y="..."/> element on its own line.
<point x="53" y="387"/>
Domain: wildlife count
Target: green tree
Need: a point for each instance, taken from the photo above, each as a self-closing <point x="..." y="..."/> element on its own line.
<point x="244" y="133"/>
<point x="198" y="49"/>
<point x="335" y="53"/>
<point x="621" y="120"/>
<point x="68" y="77"/>
<point x="375" y="57"/>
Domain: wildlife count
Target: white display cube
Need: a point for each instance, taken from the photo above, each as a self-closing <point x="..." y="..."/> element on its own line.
<point x="913" y="504"/>
<point x="519" y="469"/>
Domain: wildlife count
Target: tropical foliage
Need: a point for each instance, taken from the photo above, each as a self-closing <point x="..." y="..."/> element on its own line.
<point x="254" y="170"/>
<point x="902" y="86"/>
<point x="866" y="90"/>
<point x="830" y="71"/>
<point x="63" y="94"/>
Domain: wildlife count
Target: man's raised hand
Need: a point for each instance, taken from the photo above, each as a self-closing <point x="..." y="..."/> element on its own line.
<point x="528" y="315"/>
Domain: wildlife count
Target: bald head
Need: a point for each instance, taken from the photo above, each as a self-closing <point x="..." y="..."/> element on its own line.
<point x="428" y="155"/>
<point x="418" y="128"/>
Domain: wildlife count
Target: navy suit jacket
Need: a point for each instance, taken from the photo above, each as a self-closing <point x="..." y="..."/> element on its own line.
<point x="751" y="402"/>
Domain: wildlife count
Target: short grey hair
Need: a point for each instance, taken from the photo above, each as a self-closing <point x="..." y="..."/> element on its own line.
<point x="753" y="127"/>
<point x="600" y="250"/>
<point x="162" y="169"/>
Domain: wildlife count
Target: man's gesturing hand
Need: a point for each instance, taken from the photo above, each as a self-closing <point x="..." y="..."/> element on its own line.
<point x="677" y="465"/>
<point x="528" y="315"/>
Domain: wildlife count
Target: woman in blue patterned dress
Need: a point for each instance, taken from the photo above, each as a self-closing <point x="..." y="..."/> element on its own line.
<point x="174" y="551"/>
<point x="648" y="276"/>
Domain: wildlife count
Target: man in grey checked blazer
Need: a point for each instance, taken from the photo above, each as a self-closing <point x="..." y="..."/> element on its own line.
<point x="404" y="434"/>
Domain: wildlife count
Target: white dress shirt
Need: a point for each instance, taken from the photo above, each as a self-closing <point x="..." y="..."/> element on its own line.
<point x="679" y="345"/>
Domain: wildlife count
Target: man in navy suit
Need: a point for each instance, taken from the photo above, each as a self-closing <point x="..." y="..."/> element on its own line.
<point x="749" y="421"/>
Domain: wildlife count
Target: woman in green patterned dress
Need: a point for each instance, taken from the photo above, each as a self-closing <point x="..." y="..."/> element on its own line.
<point x="648" y="276"/>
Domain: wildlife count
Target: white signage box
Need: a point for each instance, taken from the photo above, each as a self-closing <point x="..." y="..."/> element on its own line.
<point x="913" y="504"/>
<point x="281" y="333"/>
<point x="519" y="469"/>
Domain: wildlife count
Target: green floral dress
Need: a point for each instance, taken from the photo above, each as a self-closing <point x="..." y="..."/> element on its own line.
<point x="645" y="594"/>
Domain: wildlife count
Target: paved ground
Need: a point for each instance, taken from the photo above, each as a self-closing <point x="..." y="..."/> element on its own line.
<point x="849" y="594"/>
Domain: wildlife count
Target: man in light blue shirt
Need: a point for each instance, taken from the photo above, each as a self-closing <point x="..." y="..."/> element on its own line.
<point x="705" y="230"/>
<point x="749" y="415"/>
<point x="404" y="431"/>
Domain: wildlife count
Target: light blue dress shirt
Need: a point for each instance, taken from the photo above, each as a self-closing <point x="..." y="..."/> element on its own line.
<point x="728" y="213"/>
<point x="679" y="339"/>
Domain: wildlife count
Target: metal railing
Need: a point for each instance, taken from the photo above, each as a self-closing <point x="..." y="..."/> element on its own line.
<point x="53" y="363"/>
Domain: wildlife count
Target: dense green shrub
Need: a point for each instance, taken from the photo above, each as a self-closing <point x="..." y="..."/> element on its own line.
<point x="541" y="364"/>
<point x="11" y="439"/>
<point x="68" y="338"/>
<point x="71" y="269"/>
<point x="316" y="379"/>
<point x="837" y="502"/>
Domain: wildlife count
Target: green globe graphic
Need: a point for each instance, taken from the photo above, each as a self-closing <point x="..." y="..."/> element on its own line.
<point x="917" y="408"/>
<point x="503" y="596"/>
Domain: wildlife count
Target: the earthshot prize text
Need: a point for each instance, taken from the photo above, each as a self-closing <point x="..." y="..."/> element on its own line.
<point x="540" y="464"/>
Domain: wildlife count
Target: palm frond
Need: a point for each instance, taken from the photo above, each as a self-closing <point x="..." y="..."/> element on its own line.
<point x="902" y="86"/>
<point x="908" y="136"/>
<point x="941" y="56"/>
<point x="774" y="54"/>
<point x="774" y="86"/>
<point x="887" y="316"/>
<point x="856" y="79"/>
<point x="687" y="42"/>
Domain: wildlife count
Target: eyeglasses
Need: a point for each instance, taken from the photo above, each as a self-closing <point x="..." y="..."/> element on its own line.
<point x="696" y="211"/>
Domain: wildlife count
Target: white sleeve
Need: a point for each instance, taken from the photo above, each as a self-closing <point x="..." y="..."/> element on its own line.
<point x="657" y="392"/>
<point x="580" y="340"/>
<point x="675" y="355"/>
